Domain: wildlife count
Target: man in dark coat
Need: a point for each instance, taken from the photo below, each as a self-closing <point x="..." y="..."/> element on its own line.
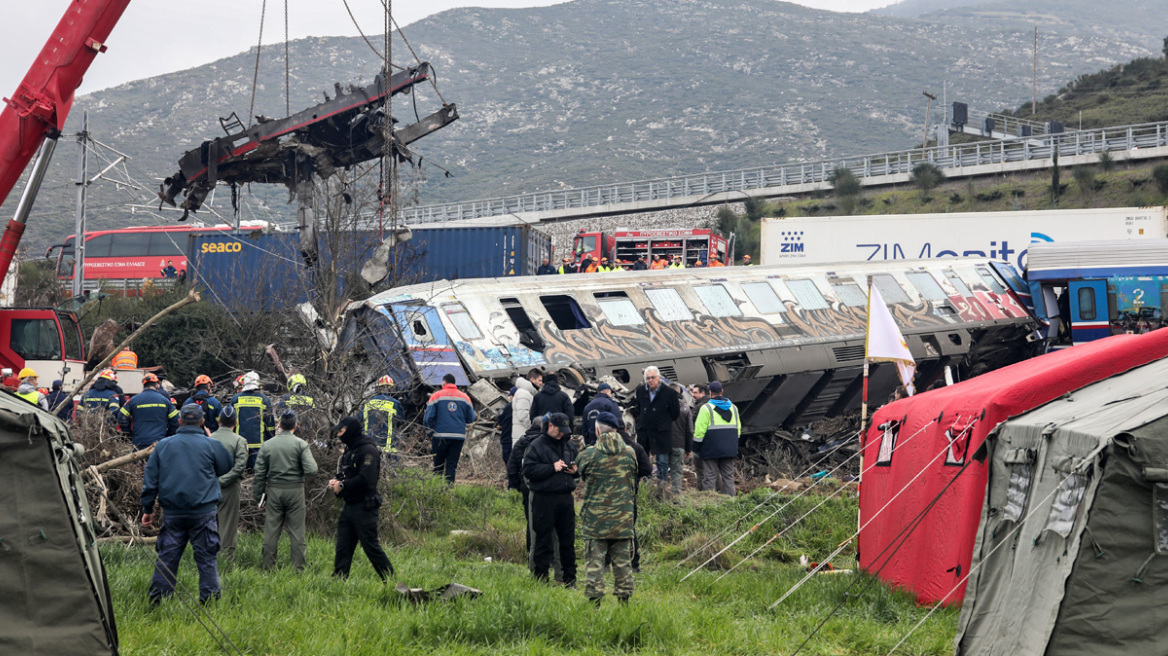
<point x="658" y="406"/>
<point x="356" y="483"/>
<point x="504" y="422"/>
<point x="602" y="402"/>
<point x="515" y="481"/>
<point x="550" y="398"/>
<point x="550" y="469"/>
<point x="545" y="269"/>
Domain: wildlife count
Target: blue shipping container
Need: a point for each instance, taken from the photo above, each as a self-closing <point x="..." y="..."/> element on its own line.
<point x="255" y="271"/>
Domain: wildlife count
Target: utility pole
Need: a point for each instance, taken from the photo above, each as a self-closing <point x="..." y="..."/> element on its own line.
<point x="79" y="223"/>
<point x="928" y="109"/>
<point x="1034" y="97"/>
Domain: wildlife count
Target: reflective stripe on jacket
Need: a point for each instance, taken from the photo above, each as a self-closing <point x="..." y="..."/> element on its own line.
<point x="714" y="435"/>
<point x="255" y="421"/>
<point x="377" y="420"/>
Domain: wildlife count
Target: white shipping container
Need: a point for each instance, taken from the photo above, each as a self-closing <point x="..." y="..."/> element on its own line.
<point x="1000" y="235"/>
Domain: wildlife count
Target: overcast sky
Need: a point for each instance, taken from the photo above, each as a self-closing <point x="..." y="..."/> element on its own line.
<point x="161" y="36"/>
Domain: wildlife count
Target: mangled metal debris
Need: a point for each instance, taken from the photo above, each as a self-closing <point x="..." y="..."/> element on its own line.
<point x="342" y="131"/>
<point x="448" y="592"/>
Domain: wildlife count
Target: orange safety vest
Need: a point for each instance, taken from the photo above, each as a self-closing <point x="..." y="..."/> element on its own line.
<point x="592" y="267"/>
<point x="658" y="264"/>
<point x="126" y="359"/>
<point x="716" y="264"/>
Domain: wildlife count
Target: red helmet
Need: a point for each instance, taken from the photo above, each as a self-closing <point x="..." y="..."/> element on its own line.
<point x="108" y="374"/>
<point x="385" y="381"/>
<point x="203" y="379"/>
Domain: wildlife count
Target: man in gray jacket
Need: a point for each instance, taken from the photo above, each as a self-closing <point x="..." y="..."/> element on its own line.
<point x="525" y="389"/>
<point x="229" y="483"/>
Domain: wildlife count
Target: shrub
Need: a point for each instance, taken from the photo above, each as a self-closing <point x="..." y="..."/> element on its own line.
<point x="1085" y="179"/>
<point x="1160" y="175"/>
<point x="926" y="176"/>
<point x="956" y="198"/>
<point x="1106" y="160"/>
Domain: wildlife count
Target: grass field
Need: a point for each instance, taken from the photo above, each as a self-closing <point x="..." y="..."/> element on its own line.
<point x="283" y="612"/>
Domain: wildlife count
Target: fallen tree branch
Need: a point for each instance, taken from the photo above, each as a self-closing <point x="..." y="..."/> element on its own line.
<point x="191" y="297"/>
<point x="120" y="460"/>
<point x="127" y="539"/>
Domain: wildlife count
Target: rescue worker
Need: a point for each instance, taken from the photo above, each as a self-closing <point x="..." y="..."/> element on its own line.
<point x="588" y="264"/>
<point x="377" y="416"/>
<point x="280" y="468"/>
<point x="28" y="389"/>
<point x="298" y="400"/>
<point x="254" y="410"/>
<point x="714" y="261"/>
<point x="682" y="440"/>
<point x="356" y="483"/>
<point x="150" y="415"/>
<point x="658" y="407"/>
<point x="549" y="465"/>
<point x="603" y="266"/>
<point x="546" y="268"/>
<point x="211" y="405"/>
<point x="609" y="472"/>
<point x="125" y="359"/>
<point x="641" y="264"/>
<point x="104" y="395"/>
<point x="58" y="400"/>
<point x="551" y="398"/>
<point x="169" y="271"/>
<point x="504" y="422"/>
<point x="746" y="260"/>
<point x="229" y="483"/>
<point x="657" y="263"/>
<point x="699" y="264"/>
<point x="567" y="266"/>
<point x="448" y="412"/>
<point x="602" y="402"/>
<point x="182" y="476"/>
<point x="677" y="263"/>
<point x="526" y="387"/>
<point x="716" y="432"/>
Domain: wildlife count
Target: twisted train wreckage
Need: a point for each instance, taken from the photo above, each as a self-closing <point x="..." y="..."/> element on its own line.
<point x="787" y="342"/>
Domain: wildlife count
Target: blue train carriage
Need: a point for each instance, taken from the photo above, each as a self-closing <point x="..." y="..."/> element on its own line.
<point x="787" y="342"/>
<point x="1089" y="290"/>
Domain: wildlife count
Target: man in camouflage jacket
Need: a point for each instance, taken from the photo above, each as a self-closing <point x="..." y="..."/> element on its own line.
<point x="609" y="472"/>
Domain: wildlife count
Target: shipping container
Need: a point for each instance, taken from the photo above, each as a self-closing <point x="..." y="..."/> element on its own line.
<point x="265" y="271"/>
<point x="997" y="235"/>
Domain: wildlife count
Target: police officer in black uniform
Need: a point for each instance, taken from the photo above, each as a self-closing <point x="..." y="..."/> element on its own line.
<point x="356" y="483"/>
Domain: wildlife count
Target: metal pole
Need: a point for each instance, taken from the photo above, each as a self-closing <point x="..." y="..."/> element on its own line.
<point x="928" y="109"/>
<point x="1034" y="98"/>
<point x="79" y="222"/>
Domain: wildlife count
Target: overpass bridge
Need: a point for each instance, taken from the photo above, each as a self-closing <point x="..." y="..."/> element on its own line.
<point x="1006" y="155"/>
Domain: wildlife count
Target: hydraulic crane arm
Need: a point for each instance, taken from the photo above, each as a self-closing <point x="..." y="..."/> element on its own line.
<point x="38" y="109"/>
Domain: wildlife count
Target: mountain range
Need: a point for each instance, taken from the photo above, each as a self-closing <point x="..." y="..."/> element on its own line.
<point x="601" y="91"/>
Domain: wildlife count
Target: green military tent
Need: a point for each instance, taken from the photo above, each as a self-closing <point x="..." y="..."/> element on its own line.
<point x="54" y="597"/>
<point x="1071" y="556"/>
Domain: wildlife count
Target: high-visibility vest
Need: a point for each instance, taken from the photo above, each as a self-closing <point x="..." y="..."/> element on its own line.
<point x="125" y="359"/>
<point x="677" y="265"/>
<point x="716" y="264"/>
<point x="592" y="267"/>
<point x="604" y="269"/>
<point x="387" y="406"/>
<point x="33" y="397"/>
<point x="658" y="264"/>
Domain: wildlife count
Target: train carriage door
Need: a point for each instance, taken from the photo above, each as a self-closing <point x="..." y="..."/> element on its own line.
<point x="428" y="345"/>
<point x="1089" y="320"/>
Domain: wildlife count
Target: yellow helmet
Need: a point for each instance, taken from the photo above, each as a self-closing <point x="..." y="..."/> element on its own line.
<point x="109" y="374"/>
<point x="297" y="379"/>
<point x="27" y="373"/>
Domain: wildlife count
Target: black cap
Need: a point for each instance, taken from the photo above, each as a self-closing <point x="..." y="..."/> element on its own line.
<point x="560" y="421"/>
<point x="192" y="411"/>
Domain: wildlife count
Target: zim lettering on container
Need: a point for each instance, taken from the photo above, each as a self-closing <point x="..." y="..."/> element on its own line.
<point x="896" y="251"/>
<point x="222" y="247"/>
<point x="792" y="243"/>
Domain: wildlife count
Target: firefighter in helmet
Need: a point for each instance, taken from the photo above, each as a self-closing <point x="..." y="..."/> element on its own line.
<point x="28" y="389"/>
<point x="105" y="394"/>
<point x="211" y="405"/>
<point x="254" y="411"/>
<point x="150" y="415"/>
<point x="378" y="415"/>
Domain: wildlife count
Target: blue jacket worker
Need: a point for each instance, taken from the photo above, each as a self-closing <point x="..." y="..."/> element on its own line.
<point x="58" y="397"/>
<point x="378" y="415"/>
<point x="182" y="475"/>
<point x="602" y="402"/>
<point x="149" y="416"/>
<point x="448" y="412"/>
<point x="105" y="394"/>
<point x="211" y="405"/>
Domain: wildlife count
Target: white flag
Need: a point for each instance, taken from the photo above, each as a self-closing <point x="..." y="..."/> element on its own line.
<point x="884" y="343"/>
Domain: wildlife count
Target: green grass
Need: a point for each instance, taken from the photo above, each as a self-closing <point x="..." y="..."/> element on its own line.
<point x="288" y="613"/>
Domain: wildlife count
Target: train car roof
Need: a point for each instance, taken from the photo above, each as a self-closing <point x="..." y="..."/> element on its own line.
<point x="1097" y="259"/>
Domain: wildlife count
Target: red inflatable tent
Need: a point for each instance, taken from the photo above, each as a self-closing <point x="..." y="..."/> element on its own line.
<point x="917" y="446"/>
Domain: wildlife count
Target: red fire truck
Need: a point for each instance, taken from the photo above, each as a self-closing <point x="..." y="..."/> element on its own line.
<point x="625" y="246"/>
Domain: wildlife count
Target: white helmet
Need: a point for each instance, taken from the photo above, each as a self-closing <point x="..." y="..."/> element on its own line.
<point x="251" y="380"/>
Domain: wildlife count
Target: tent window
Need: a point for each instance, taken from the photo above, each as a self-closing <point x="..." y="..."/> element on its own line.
<point x="462" y="321"/>
<point x="565" y="312"/>
<point x="1160" y="517"/>
<point x="807" y="294"/>
<point x="851" y="295"/>
<point x="891" y="290"/>
<point x="1066" y="504"/>
<point x="888" y="443"/>
<point x="927" y="286"/>
<point x="718" y="301"/>
<point x="1087" y="304"/>
<point x="669" y="305"/>
<point x="764" y="297"/>
<point x="1020" y="477"/>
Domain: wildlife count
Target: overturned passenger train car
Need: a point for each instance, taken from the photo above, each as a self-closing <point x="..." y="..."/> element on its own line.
<point x="787" y="342"/>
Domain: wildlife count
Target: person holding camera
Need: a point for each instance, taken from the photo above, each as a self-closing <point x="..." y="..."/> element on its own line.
<point x="549" y="468"/>
<point x="356" y="483"/>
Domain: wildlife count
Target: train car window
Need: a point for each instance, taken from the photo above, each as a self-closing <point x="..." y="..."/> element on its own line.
<point x="668" y="304"/>
<point x="958" y="283"/>
<point x="463" y="322"/>
<point x="1087" y="304"/>
<point x="851" y="295"/>
<point x="565" y="312"/>
<point x="528" y="335"/>
<point x="420" y="327"/>
<point x="927" y="285"/>
<point x="98" y="246"/>
<point x="807" y="295"/>
<point x="990" y="281"/>
<point x="890" y="290"/>
<point x="167" y="244"/>
<point x="620" y="311"/>
<point x="764" y="297"/>
<point x="35" y="339"/>
<point x="130" y="244"/>
<point x="718" y="301"/>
